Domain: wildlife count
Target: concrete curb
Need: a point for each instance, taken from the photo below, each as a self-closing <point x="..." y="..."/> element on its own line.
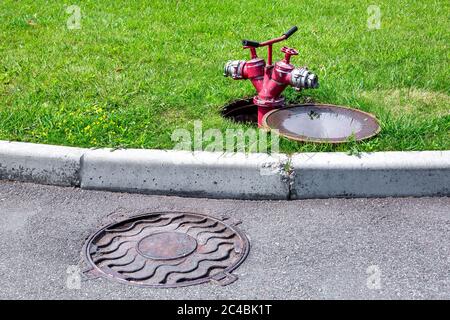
<point x="40" y="163"/>
<point x="198" y="174"/>
<point x="218" y="175"/>
<point x="379" y="174"/>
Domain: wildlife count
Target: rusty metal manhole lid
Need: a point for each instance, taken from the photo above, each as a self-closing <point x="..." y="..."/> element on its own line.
<point x="167" y="249"/>
<point x="322" y="123"/>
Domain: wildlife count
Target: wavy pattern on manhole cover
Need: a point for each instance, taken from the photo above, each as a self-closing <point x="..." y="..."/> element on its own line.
<point x="167" y="249"/>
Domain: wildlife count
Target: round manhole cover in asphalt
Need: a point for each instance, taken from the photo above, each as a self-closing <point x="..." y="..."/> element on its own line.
<point x="167" y="249"/>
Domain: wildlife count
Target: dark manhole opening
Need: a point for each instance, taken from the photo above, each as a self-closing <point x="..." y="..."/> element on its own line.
<point x="167" y="249"/>
<point x="320" y="123"/>
<point x="241" y="111"/>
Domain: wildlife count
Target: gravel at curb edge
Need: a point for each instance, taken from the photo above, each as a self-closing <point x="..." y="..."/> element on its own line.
<point x="223" y="175"/>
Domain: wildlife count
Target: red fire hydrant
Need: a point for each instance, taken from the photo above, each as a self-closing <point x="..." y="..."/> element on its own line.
<point x="269" y="80"/>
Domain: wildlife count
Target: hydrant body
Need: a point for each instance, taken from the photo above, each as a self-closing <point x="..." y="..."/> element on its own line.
<point x="270" y="80"/>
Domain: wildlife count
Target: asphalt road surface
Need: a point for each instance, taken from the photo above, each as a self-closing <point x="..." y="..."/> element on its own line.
<point x="307" y="249"/>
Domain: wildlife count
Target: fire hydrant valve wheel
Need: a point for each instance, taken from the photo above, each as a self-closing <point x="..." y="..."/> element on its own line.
<point x="289" y="51"/>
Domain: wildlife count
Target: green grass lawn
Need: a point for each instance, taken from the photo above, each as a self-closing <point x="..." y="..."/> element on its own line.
<point x="137" y="70"/>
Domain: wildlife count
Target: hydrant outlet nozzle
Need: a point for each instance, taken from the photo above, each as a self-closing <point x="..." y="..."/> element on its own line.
<point x="302" y="78"/>
<point x="234" y="69"/>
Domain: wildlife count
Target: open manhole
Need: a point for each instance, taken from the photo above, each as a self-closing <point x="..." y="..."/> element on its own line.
<point x="167" y="249"/>
<point x="320" y="123"/>
<point x="241" y="111"/>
